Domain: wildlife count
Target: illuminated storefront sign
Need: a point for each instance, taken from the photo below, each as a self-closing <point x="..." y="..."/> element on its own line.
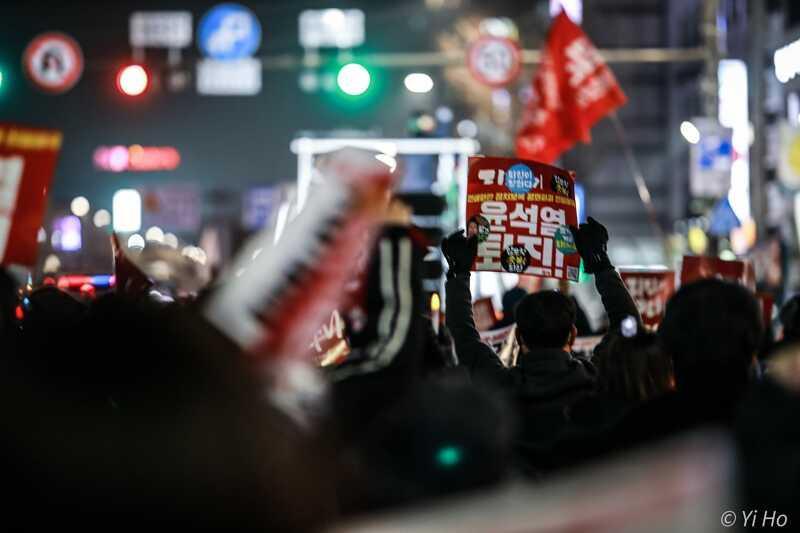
<point x="136" y="158"/>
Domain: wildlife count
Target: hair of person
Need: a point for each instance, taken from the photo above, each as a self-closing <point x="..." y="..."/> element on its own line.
<point x="712" y="329"/>
<point x="634" y="368"/>
<point x="545" y="319"/>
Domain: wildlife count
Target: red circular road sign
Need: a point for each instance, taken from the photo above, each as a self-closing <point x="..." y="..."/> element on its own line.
<point x="494" y="61"/>
<point x="53" y="62"/>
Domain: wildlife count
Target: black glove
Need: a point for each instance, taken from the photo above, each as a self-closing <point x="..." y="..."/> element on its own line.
<point x="591" y="240"/>
<point x="460" y="252"/>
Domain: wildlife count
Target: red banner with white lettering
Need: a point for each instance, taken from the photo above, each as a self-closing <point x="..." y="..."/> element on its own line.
<point x="572" y="90"/>
<point x="650" y="289"/>
<point x="521" y="212"/>
<point x="27" y="162"/>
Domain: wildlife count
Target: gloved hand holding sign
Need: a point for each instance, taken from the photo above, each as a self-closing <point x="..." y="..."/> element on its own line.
<point x="591" y="240"/>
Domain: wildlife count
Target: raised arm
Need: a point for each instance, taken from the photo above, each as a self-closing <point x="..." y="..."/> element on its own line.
<point x="481" y="361"/>
<point x="591" y="239"/>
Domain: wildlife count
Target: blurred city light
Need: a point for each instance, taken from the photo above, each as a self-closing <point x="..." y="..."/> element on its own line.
<point x="467" y="128"/>
<point x="449" y="456"/>
<point x="690" y="132"/>
<point x="171" y="240"/>
<point x="444" y="114"/>
<point x="332" y="28"/>
<point x="41" y="235"/>
<point x="79" y="206"/>
<point x="68" y="232"/>
<point x="573" y="9"/>
<point x="136" y="158"/>
<point x="787" y="61"/>
<point x="499" y="27"/>
<point x="135" y="241"/>
<point x="51" y="264"/>
<point x="353" y="79"/>
<point x="154" y="234"/>
<point x="101" y="218"/>
<point x="132" y="80"/>
<point x="418" y="82"/>
<point x="425" y="123"/>
<point x="126" y="207"/>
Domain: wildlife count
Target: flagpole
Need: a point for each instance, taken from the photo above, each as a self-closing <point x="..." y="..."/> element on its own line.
<point x="638" y="176"/>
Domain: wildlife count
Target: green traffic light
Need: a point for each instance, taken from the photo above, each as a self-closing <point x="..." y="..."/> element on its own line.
<point x="353" y="79"/>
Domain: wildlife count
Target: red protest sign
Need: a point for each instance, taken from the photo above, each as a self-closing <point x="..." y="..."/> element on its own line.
<point x="650" y="289"/>
<point x="27" y="162"/>
<point x="573" y="88"/>
<point x="697" y="267"/>
<point x="521" y="212"/>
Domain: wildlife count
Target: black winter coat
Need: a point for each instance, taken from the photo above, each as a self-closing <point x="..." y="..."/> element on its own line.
<point x="545" y="384"/>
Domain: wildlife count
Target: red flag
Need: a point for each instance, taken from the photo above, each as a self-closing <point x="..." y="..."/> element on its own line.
<point x="572" y="90"/>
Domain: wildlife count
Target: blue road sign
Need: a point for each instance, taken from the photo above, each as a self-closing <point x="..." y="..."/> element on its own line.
<point x="229" y="31"/>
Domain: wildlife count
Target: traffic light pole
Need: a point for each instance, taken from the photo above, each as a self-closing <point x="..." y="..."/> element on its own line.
<point x="443" y="59"/>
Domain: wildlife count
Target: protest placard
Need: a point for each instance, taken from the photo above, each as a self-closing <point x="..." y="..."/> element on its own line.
<point x="650" y="289"/>
<point x="698" y="267"/>
<point x="27" y="162"/>
<point x="484" y="314"/>
<point x="521" y="212"/>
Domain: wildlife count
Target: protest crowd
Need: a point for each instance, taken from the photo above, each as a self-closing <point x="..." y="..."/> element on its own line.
<point x="131" y="410"/>
<point x="314" y="382"/>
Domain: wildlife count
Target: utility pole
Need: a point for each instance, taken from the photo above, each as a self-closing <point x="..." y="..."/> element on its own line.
<point x="755" y="73"/>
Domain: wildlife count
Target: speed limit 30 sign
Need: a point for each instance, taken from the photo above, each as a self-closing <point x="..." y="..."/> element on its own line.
<point x="53" y="62"/>
<point x="494" y="61"/>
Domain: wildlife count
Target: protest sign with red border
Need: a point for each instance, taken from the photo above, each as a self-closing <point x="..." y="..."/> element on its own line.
<point x="27" y="162"/>
<point x="698" y="267"/>
<point x="650" y="289"/>
<point x="521" y="212"/>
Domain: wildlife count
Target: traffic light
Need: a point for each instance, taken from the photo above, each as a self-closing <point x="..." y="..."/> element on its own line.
<point x="353" y="79"/>
<point x="133" y="80"/>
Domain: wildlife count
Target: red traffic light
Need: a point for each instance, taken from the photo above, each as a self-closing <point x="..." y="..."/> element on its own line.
<point x="133" y="80"/>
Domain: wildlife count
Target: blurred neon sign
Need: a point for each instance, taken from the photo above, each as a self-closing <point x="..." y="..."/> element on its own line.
<point x="136" y="158"/>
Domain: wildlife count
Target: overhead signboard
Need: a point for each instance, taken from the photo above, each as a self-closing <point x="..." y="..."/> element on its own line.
<point x="229" y="31"/>
<point x="711" y="159"/>
<point x="331" y="28"/>
<point x="494" y="61"/>
<point x="136" y="158"/>
<point x="53" y="61"/>
<point x="241" y="77"/>
<point x="160" y="29"/>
